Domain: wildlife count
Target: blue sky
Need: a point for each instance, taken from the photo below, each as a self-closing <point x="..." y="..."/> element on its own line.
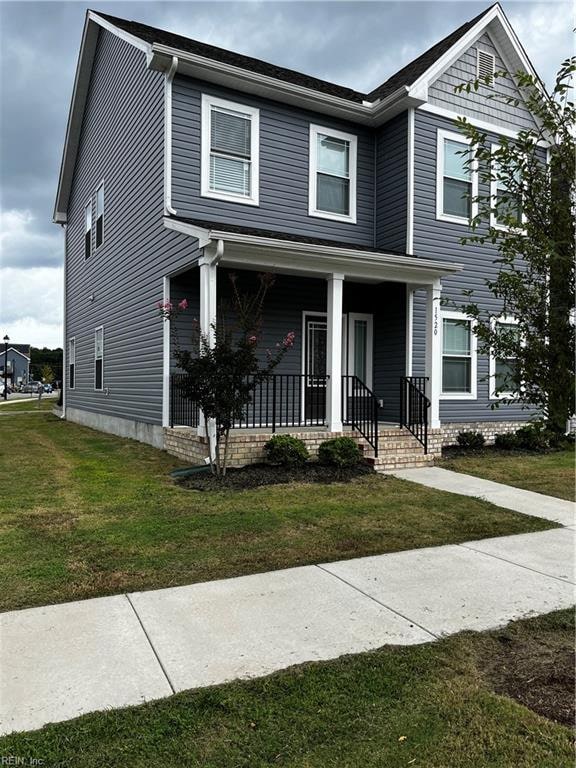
<point x="358" y="44"/>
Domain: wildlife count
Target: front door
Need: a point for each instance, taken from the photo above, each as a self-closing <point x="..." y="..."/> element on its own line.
<point x="315" y="344"/>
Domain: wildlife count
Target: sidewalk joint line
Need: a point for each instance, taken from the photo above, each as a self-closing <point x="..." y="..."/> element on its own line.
<point x="379" y="602"/>
<point x="519" y="565"/>
<point x="158" y="659"/>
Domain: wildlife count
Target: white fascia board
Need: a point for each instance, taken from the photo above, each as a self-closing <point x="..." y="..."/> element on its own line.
<point x="12" y="349"/>
<point x="203" y="236"/>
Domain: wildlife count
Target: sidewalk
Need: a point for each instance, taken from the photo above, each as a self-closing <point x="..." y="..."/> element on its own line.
<point x="61" y="661"/>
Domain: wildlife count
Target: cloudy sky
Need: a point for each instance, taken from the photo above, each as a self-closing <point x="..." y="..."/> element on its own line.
<point x="358" y="44"/>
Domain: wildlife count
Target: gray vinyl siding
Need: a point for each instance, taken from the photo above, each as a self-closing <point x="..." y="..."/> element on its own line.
<point x="477" y="104"/>
<point x="122" y="144"/>
<point x="284" y="163"/>
<point x="441" y="240"/>
<point x="392" y="184"/>
<point x="284" y="308"/>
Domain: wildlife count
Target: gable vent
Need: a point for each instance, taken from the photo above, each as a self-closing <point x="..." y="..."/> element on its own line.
<point x="485" y="64"/>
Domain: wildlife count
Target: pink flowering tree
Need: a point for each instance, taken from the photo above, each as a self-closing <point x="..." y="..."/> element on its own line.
<point x="223" y="376"/>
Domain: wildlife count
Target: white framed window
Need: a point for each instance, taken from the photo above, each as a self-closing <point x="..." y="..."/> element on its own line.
<point x="360" y="346"/>
<point x="498" y="189"/>
<point x="230" y="151"/>
<point x="501" y="369"/>
<point x="485" y="64"/>
<point x="72" y="363"/>
<point x="459" y="357"/>
<point x="100" y="215"/>
<point x="332" y="186"/>
<point x="88" y="229"/>
<point x="99" y="357"/>
<point x="456" y="181"/>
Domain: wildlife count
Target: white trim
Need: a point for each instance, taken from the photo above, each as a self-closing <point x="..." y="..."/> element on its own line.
<point x="473" y="394"/>
<point x="17" y="352"/>
<point x="98" y="328"/>
<point x="410" y="185"/>
<point x="352" y="140"/>
<point x="442" y="137"/>
<point x="71" y="361"/>
<point x="334" y="352"/>
<point x="409" y="328"/>
<point x="121" y="33"/>
<point x="208" y="102"/>
<point x="492" y="394"/>
<point x="369" y="318"/>
<point x="168" y="80"/>
<point x="165" y="356"/>
<point x="89" y="205"/>
<point x="433" y="352"/>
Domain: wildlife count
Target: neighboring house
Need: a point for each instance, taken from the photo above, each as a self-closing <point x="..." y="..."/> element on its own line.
<point x="183" y="161"/>
<point x="17" y="370"/>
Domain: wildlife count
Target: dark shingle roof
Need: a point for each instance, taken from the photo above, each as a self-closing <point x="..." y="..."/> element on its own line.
<point x="290" y="237"/>
<point x="23" y="348"/>
<point x="404" y="77"/>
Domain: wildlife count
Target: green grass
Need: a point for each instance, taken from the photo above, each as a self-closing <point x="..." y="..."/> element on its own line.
<point x="548" y="473"/>
<point x="84" y="514"/>
<point x="29" y="404"/>
<point x="428" y="706"/>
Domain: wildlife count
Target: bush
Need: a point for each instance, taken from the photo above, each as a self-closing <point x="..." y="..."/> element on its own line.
<point x="470" y="440"/>
<point x="533" y="437"/>
<point x="340" y="452"/>
<point x="287" y="451"/>
<point x="506" y="441"/>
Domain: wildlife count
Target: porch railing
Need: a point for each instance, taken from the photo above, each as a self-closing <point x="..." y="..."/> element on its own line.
<point x="360" y="409"/>
<point x="414" y="407"/>
<point x="277" y="400"/>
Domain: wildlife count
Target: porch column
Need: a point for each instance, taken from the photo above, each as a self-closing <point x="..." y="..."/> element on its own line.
<point x="334" y="354"/>
<point x="434" y="351"/>
<point x="208" y="264"/>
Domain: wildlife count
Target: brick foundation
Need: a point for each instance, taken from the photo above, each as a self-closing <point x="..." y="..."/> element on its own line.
<point x="489" y="429"/>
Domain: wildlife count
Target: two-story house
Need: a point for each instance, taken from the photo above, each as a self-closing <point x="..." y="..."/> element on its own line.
<point x="184" y="161"/>
<point x="15" y="365"/>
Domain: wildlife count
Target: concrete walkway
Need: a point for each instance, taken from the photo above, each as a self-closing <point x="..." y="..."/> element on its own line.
<point x="526" y="502"/>
<point x="61" y="661"/>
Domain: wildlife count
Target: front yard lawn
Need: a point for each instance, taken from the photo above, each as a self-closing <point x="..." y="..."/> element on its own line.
<point x="86" y="514"/>
<point x="548" y="473"/>
<point x="458" y="703"/>
<point x="28" y="404"/>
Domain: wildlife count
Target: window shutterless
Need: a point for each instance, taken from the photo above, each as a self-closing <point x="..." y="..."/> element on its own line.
<point x="88" y="230"/>
<point x="332" y="192"/>
<point x="458" y="357"/>
<point x="504" y="379"/>
<point x="506" y="197"/>
<point x="100" y="215"/>
<point x="98" y="358"/>
<point x="71" y="363"/>
<point x="457" y="181"/>
<point x="230" y="153"/>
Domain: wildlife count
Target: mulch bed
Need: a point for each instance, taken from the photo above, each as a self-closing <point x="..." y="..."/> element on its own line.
<point x="537" y="671"/>
<point x="257" y="475"/>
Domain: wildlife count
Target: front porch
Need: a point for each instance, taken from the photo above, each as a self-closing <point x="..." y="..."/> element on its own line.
<point x="349" y="371"/>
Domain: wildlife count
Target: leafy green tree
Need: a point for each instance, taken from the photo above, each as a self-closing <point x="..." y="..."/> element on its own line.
<point x="222" y="376"/>
<point x="526" y="208"/>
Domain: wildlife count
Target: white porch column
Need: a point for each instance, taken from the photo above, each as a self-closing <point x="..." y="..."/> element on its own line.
<point x="334" y="354"/>
<point x="208" y="264"/>
<point x="434" y="350"/>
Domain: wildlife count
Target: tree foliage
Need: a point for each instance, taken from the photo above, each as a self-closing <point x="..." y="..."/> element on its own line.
<point x="531" y="221"/>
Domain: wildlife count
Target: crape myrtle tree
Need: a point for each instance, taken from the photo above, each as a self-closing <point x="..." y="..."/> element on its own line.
<point x="224" y="367"/>
<point x="528" y="213"/>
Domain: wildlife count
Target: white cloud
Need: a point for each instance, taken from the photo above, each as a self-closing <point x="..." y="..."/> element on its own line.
<point x="31" y="305"/>
<point x="24" y="245"/>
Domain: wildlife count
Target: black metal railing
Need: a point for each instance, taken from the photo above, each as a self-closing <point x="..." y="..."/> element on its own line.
<point x="277" y="400"/>
<point x="414" y="407"/>
<point x="360" y="409"/>
<point x="184" y="412"/>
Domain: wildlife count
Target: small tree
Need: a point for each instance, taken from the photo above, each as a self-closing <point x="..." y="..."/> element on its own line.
<point x="531" y="221"/>
<point x="224" y="367"/>
<point x="47" y="374"/>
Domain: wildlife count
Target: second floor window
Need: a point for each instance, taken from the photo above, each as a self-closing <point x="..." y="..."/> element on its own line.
<point x="506" y="197"/>
<point x="100" y="215"/>
<point x="71" y="363"/>
<point x="456" y="179"/>
<point x="332" y="174"/>
<point x="230" y="157"/>
<point x="98" y="357"/>
<point x="88" y="230"/>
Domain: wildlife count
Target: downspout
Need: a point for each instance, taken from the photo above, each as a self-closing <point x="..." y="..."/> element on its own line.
<point x="64" y="378"/>
<point x="168" y="209"/>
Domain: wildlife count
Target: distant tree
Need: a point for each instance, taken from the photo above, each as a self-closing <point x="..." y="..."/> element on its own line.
<point x="47" y="374"/>
<point x="530" y="219"/>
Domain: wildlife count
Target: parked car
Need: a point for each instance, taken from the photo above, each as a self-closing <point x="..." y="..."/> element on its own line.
<point x="48" y="389"/>
<point x="9" y="389"/>
<point x="31" y="387"/>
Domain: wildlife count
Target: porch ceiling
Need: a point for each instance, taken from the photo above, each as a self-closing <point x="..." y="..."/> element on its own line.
<point x="310" y="257"/>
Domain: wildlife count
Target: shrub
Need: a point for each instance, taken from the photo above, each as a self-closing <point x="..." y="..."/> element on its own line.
<point x="340" y="452"/>
<point x="533" y="437"/>
<point x="470" y="440"/>
<point x="286" y="450"/>
<point x="506" y="441"/>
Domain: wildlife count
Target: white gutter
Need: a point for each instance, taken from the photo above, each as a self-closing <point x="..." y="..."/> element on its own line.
<point x="168" y="136"/>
